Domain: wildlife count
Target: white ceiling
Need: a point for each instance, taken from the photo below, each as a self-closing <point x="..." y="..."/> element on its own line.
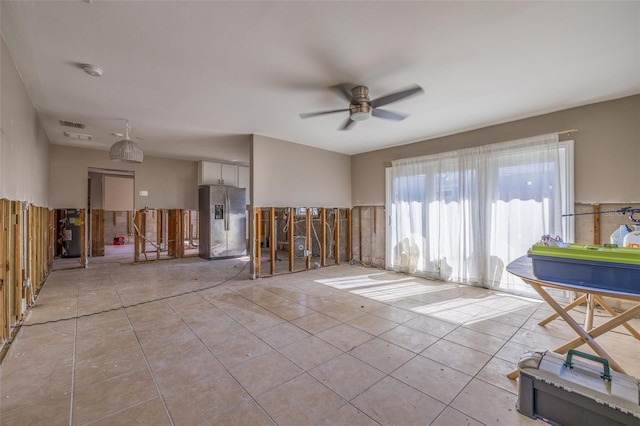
<point x="195" y="79"/>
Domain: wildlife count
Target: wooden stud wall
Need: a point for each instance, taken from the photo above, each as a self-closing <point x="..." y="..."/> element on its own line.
<point x="360" y="234"/>
<point x="176" y="232"/>
<point x="5" y="220"/>
<point x="323" y="237"/>
<point x="159" y="232"/>
<point x="27" y="235"/>
<point x="349" y="250"/>
<point x="28" y="273"/>
<point x="52" y="240"/>
<point x="336" y="237"/>
<point x="272" y="240"/>
<point x="265" y="227"/>
<point x="137" y="225"/>
<point x="258" y="254"/>
<point x="292" y="231"/>
<point x="19" y="275"/>
<point x="83" y="238"/>
<point x="596" y="224"/>
<point x="97" y="231"/>
<point x="179" y="235"/>
<point x="308" y="240"/>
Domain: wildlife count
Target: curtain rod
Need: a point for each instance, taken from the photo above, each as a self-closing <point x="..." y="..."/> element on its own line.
<point x="565" y="132"/>
<point x="561" y="132"/>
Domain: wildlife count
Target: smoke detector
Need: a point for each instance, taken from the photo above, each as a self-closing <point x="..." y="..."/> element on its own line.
<point x="92" y="70"/>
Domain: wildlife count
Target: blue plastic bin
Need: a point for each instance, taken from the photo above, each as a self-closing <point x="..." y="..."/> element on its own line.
<point x="616" y="269"/>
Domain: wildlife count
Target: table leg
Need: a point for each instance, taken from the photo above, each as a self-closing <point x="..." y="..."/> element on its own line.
<point x="588" y="318"/>
<point x="567" y="308"/>
<point x="614" y="314"/>
<point x="600" y="330"/>
<point x="584" y="336"/>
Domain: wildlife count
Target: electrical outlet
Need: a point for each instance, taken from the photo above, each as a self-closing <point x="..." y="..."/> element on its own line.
<point x="307" y="253"/>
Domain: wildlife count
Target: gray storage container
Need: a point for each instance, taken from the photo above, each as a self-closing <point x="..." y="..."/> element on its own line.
<point x="569" y="392"/>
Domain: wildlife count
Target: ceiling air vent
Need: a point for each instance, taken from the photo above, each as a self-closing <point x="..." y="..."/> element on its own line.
<point x="78" y="136"/>
<point x="71" y="124"/>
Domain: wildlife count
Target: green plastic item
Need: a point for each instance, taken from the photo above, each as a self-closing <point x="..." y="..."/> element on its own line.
<point x="605" y="375"/>
<point x="589" y="253"/>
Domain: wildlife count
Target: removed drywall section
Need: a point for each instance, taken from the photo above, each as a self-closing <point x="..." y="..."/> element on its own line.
<point x="24" y="147"/>
<point x="607" y="151"/>
<point x="170" y="183"/>
<point x="291" y="239"/>
<point x="290" y="174"/>
<point x="369" y="235"/>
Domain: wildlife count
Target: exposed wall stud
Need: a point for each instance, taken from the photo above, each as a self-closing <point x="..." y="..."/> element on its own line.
<point x="308" y="239"/>
<point x="360" y="233"/>
<point x="336" y="236"/>
<point x="292" y="225"/>
<point x="323" y="236"/>
<point x="272" y="240"/>
<point x="83" y="239"/>
<point x="596" y="224"/>
<point x="349" y="248"/>
<point x="136" y="235"/>
<point x="258" y="254"/>
<point x="97" y="231"/>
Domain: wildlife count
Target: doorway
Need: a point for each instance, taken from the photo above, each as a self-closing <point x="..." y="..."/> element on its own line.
<point x="110" y="221"/>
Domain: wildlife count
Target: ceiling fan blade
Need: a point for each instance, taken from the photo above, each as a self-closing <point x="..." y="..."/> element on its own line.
<point x="347" y="123"/>
<point x="315" y="114"/>
<point x="394" y="97"/>
<point x="382" y="113"/>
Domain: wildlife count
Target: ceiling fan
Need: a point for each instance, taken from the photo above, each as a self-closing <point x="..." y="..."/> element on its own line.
<point x="361" y="107"/>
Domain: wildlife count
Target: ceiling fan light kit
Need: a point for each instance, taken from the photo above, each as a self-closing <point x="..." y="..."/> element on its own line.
<point x="361" y="107"/>
<point x="126" y="150"/>
<point x="360" y="112"/>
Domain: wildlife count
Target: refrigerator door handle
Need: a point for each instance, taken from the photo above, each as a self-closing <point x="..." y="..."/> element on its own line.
<point x="227" y="207"/>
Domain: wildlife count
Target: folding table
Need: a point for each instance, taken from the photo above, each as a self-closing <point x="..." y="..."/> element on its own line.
<point x="522" y="267"/>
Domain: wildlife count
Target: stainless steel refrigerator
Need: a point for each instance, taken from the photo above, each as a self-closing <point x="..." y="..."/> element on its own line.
<point x="223" y="221"/>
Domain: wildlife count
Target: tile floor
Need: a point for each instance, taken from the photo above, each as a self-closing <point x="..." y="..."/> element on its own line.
<point x="190" y="342"/>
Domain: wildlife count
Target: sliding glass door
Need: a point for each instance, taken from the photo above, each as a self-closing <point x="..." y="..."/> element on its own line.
<point x="463" y="216"/>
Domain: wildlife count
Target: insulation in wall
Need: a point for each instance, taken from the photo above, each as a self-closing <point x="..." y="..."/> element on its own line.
<point x="368" y="224"/>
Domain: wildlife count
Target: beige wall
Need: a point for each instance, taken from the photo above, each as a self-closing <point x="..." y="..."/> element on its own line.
<point x="607" y="151"/>
<point x="24" y="147"/>
<point x="171" y="184"/>
<point x="286" y="174"/>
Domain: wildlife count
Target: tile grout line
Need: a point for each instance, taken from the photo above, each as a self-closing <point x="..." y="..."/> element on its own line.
<point x="389" y="375"/>
<point x="386" y="375"/>
<point x="214" y="355"/>
<point x="144" y="355"/>
<point x="303" y="372"/>
<point x="73" y="357"/>
<point x="457" y="326"/>
<point x="446" y="405"/>
<point x="478" y="372"/>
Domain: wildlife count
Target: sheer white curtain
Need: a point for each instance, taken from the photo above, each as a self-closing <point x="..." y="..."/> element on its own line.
<point x="462" y="216"/>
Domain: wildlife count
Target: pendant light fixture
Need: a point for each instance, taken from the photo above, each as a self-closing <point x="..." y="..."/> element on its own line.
<point x="126" y="150"/>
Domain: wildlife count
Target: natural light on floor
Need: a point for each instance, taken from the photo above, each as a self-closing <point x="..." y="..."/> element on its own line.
<point x="474" y="304"/>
